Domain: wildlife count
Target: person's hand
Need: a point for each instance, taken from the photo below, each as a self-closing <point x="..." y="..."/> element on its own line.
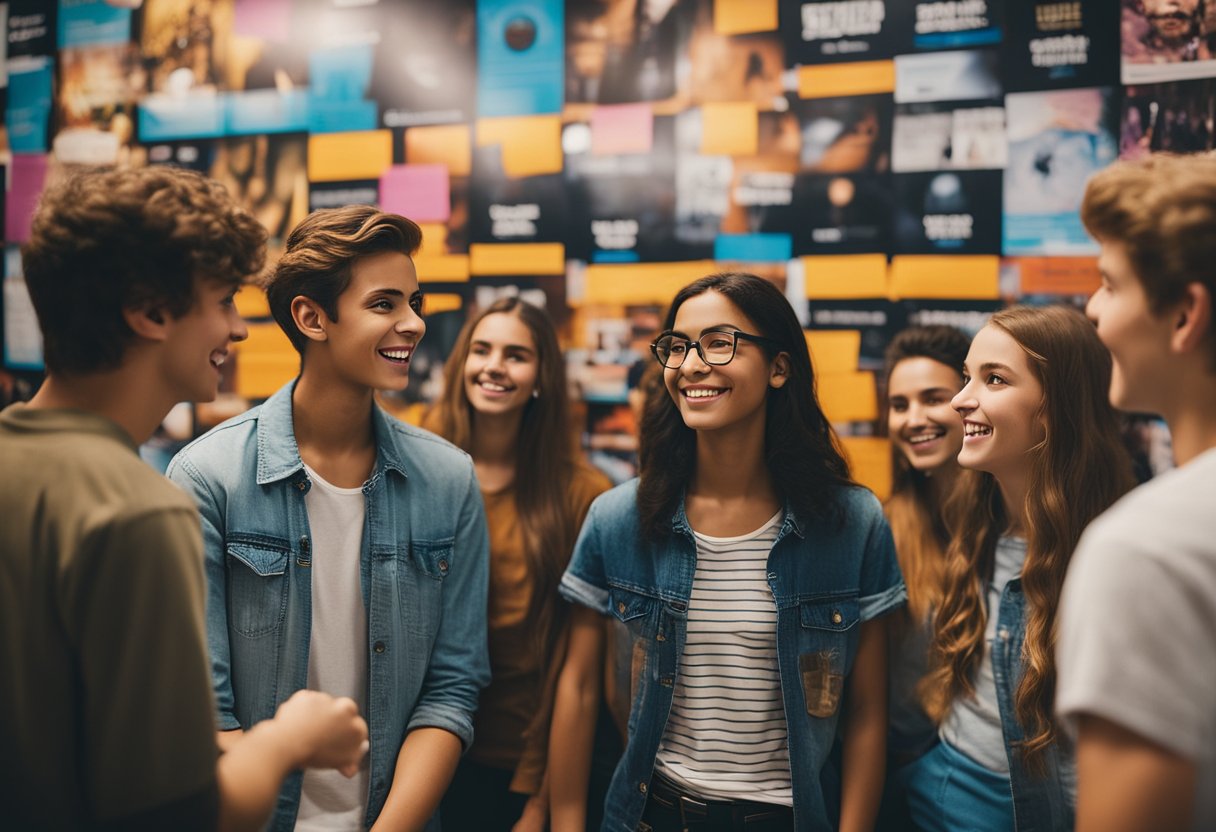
<point x="328" y="732"/>
<point x="533" y="818"/>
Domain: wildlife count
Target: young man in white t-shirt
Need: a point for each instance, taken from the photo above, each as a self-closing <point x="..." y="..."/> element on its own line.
<point x="1137" y="644"/>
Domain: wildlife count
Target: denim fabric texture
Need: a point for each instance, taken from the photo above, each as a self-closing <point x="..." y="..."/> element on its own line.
<point x="424" y="562"/>
<point x="825" y="579"/>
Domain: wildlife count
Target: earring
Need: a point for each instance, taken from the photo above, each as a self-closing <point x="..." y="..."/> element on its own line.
<point x="536" y="392"/>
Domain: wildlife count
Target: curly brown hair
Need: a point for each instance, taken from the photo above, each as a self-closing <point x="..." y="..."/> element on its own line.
<point x="322" y="250"/>
<point x="105" y="241"/>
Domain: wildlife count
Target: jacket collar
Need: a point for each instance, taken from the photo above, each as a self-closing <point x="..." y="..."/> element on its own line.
<point x="279" y="454"/>
<point x="790" y="523"/>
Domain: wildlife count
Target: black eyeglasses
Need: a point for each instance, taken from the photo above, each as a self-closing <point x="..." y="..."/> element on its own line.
<point x="716" y="347"/>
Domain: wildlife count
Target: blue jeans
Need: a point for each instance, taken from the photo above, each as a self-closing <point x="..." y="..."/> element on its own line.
<point x="949" y="792"/>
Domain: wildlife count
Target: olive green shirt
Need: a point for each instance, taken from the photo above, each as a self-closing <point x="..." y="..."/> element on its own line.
<point x="105" y="695"/>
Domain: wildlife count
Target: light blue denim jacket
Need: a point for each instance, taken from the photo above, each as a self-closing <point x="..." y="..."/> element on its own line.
<point x="425" y="563"/>
<point x="1040" y="803"/>
<point x="825" y="579"/>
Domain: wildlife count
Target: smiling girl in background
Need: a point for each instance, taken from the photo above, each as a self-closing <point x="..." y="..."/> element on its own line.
<point x="1043" y="457"/>
<point x="750" y="573"/>
<point x="505" y="402"/>
<point x="924" y="372"/>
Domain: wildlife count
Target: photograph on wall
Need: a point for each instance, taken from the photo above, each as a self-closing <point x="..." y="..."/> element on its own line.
<point x="845" y="135"/>
<point x="425" y="71"/>
<point x="1057" y="140"/>
<point x="95" y="103"/>
<point x="185" y="45"/>
<point x="93" y="22"/>
<point x="622" y="206"/>
<point x="1168" y="40"/>
<point x="735" y="67"/>
<point x="957" y="25"/>
<point x="946" y="137"/>
<point x="968" y="75"/>
<point x="834" y="31"/>
<point x="621" y="51"/>
<point x="1051" y="44"/>
<point x="268" y="175"/>
<point x="947" y="212"/>
<point x="762" y="186"/>
<point x="1176" y="118"/>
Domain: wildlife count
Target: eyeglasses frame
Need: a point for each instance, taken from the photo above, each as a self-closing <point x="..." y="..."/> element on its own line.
<point x="695" y="344"/>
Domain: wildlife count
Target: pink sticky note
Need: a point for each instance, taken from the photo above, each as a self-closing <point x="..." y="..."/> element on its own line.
<point x="623" y="128"/>
<point x="265" y="19"/>
<point x="420" y="192"/>
<point x="28" y="175"/>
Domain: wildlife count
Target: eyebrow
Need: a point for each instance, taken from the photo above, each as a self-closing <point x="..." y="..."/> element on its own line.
<point x="516" y="347"/>
<point x="994" y="365"/>
<point x="714" y="328"/>
<point x="396" y="293"/>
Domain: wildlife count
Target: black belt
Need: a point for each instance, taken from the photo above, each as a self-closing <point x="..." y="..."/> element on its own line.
<point x="668" y="807"/>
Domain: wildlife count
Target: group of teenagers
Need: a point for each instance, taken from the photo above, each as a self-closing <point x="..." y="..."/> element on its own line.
<point x="331" y="619"/>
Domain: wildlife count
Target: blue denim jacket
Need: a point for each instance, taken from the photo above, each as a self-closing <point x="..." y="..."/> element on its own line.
<point x="425" y="565"/>
<point x="825" y="581"/>
<point x="1040" y="804"/>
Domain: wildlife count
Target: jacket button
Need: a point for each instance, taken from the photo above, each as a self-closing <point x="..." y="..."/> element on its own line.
<point x="837" y="617"/>
<point x="378" y="647"/>
<point x="642" y="788"/>
<point x="620" y="607"/>
<point x="301" y="485"/>
<point x="660" y="637"/>
<point x="443" y="566"/>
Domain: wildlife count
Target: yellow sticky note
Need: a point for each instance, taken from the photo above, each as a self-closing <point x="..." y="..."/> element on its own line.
<point x="834" y="350"/>
<point x="517" y="259"/>
<point x="531" y="145"/>
<point x="446" y="144"/>
<point x="437" y="302"/>
<point x="838" y="80"/>
<point x="335" y="157"/>
<point x="251" y="302"/>
<point x="957" y="276"/>
<point x="737" y="17"/>
<point x="730" y="128"/>
<point x="848" y="397"/>
<point x="845" y="276"/>
<point x="870" y="461"/>
<point x="641" y="283"/>
<point x="265" y="361"/>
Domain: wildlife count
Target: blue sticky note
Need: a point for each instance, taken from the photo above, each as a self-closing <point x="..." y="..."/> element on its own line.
<point x="92" y="22"/>
<point x="521" y="57"/>
<point x="754" y="248"/>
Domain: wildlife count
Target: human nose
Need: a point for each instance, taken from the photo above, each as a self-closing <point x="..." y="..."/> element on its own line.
<point x="915" y="415"/>
<point x="1093" y="308"/>
<point x="410" y="323"/>
<point x="694" y="348"/>
<point x="238" y="329"/>
<point x="964" y="402"/>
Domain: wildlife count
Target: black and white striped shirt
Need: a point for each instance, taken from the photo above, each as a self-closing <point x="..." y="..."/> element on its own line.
<point x="726" y="737"/>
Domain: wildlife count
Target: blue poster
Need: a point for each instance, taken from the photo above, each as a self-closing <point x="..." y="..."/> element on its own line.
<point x="92" y="22"/>
<point x="521" y="57"/>
<point x="339" y="79"/>
<point x="29" y="104"/>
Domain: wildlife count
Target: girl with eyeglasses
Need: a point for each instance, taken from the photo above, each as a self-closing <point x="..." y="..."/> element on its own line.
<point x="748" y="572"/>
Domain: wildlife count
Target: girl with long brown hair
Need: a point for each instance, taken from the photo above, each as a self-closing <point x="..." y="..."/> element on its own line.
<point x="924" y="372"/>
<point x="1043" y="457"/>
<point x="505" y="402"/>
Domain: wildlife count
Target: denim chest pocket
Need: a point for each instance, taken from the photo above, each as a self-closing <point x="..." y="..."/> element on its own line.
<point x="634" y="614"/>
<point x="257" y="586"/>
<point x="420" y="567"/>
<point x="828" y="634"/>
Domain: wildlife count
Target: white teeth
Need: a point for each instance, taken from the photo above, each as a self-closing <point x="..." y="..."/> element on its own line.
<point x="492" y="387"/>
<point x="924" y="437"/>
<point x="397" y="355"/>
<point x="218" y="360"/>
<point x="976" y="430"/>
<point x="701" y="393"/>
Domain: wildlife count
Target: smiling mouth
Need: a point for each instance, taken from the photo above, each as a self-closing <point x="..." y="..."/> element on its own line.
<point x="703" y="393"/>
<point x="971" y="430"/>
<point x="922" y="438"/>
<point x="397" y="355"/>
<point x="218" y="358"/>
<point x="493" y="387"/>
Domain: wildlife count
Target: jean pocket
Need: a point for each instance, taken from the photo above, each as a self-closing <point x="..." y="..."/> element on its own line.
<point x="823" y="663"/>
<point x="257" y="586"/>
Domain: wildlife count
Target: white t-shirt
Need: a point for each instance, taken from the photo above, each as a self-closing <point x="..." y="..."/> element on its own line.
<point x="1137" y="621"/>
<point x="337" y="652"/>
<point x="726" y="737"/>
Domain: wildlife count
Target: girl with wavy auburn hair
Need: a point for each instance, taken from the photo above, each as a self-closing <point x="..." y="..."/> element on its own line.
<point x="748" y="574"/>
<point x="505" y="402"/>
<point x="1043" y="457"/>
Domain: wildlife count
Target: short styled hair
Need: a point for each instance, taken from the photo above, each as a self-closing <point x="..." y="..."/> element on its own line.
<point x="1162" y="209"/>
<point x="321" y="252"/>
<point x="105" y="241"/>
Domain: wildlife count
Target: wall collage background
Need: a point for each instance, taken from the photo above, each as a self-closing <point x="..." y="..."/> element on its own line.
<point x="888" y="162"/>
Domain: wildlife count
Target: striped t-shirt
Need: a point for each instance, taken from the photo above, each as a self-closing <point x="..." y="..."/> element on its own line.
<point x="726" y="737"/>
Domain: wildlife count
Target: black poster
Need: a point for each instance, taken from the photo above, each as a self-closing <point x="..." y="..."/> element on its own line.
<point x="31" y="27"/>
<point x="831" y="31"/>
<point x="530" y="209"/>
<point x="1051" y="45"/>
<point x="948" y="212"/>
<point x="956" y="25"/>
<point x="425" y="71"/>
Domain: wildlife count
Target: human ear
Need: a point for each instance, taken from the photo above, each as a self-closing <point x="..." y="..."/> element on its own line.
<point x="1192" y="318"/>
<point x="309" y="318"/>
<point x="779" y="373"/>
<point x="148" y="321"/>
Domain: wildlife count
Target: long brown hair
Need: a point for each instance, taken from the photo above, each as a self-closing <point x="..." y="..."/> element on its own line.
<point x="545" y="462"/>
<point x="1076" y="472"/>
<point x="916" y="516"/>
<point x="800" y="448"/>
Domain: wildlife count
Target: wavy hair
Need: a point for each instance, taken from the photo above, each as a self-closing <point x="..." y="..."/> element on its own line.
<point x="917" y="518"/>
<point x="1076" y="472"/>
<point x="546" y="459"/>
<point x="801" y="450"/>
